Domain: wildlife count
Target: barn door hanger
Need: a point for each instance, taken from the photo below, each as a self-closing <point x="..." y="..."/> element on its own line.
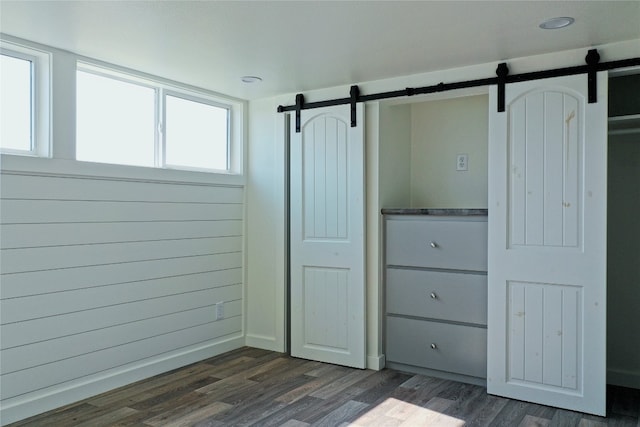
<point x="354" y="98"/>
<point x="593" y="66"/>
<point x="592" y="58"/>
<point x="502" y="71"/>
<point x="299" y="106"/>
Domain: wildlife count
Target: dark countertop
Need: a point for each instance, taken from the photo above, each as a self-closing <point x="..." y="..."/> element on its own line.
<point x="435" y="211"/>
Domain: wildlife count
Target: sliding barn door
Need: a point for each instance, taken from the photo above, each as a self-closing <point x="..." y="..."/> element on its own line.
<point x="327" y="237"/>
<point x="547" y="244"/>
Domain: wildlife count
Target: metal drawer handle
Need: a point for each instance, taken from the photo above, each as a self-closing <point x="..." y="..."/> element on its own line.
<point x="433" y="295"/>
<point x="433" y="245"/>
<point x="434" y="346"/>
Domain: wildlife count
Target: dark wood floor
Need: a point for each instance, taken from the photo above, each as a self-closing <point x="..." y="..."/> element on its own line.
<point x="261" y="388"/>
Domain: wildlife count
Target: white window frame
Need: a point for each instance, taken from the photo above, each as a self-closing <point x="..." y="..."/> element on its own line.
<point x="40" y="143"/>
<point x="163" y="89"/>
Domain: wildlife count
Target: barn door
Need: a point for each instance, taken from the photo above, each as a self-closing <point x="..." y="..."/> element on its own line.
<point x="547" y="244"/>
<point x="327" y="237"/>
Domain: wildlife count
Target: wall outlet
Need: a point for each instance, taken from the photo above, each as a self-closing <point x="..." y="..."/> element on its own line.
<point x="220" y="310"/>
<point x="462" y="162"/>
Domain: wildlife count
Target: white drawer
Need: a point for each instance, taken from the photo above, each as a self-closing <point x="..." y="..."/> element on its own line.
<point x="459" y="349"/>
<point x="459" y="244"/>
<point x="457" y="297"/>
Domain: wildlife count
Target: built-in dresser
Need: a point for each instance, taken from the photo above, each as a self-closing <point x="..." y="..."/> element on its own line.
<point x="436" y="292"/>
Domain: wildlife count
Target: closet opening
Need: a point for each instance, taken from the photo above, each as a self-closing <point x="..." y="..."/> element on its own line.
<point x="623" y="231"/>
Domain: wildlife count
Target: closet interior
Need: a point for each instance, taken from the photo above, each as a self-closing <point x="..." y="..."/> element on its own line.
<point x="623" y="232"/>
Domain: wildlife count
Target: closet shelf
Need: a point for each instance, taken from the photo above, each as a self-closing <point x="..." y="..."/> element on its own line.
<point x="624" y="124"/>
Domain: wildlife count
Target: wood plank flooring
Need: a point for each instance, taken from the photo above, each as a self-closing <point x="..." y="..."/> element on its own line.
<point x="252" y="387"/>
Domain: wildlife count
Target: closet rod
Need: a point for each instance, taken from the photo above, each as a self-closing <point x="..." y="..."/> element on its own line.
<point x="442" y="87"/>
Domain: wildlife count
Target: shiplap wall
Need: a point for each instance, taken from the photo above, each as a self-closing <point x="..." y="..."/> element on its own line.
<point x="103" y="276"/>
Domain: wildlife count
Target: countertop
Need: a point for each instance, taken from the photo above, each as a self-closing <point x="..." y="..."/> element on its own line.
<point x="435" y="211"/>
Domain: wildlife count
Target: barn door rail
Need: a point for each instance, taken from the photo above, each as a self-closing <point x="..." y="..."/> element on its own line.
<point x="592" y="66"/>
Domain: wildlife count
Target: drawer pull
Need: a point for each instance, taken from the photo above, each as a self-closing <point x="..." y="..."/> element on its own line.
<point x="433" y="346"/>
<point x="433" y="245"/>
<point x="433" y="295"/>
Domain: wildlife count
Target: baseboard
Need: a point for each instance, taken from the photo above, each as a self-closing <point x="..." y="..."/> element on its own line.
<point x="264" y="342"/>
<point x="376" y="363"/>
<point x="22" y="407"/>
<point x="623" y="378"/>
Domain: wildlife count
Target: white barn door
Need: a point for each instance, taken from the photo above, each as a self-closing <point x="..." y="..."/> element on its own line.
<point x="327" y="237"/>
<point x="547" y="244"/>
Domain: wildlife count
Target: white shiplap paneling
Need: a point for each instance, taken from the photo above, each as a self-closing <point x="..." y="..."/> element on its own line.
<point x="100" y="276"/>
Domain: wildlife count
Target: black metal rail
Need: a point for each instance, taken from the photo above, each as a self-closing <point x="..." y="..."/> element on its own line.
<point x="502" y="78"/>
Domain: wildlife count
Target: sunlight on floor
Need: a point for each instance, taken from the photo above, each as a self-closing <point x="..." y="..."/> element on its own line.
<point x="394" y="412"/>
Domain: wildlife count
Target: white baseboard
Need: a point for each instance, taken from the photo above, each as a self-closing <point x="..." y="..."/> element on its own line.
<point x="623" y="378"/>
<point x="22" y="407"/>
<point x="376" y="363"/>
<point x="264" y="342"/>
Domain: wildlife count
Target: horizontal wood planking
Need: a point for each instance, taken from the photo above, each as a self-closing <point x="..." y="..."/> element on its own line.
<point x="15" y="236"/>
<point x="74" y="211"/>
<point x="48" y="258"/>
<point x="45" y="305"/>
<point x="100" y="274"/>
<point x="65" y="188"/>
<point x="66" y="279"/>
<point x="48" y="328"/>
<point x="59" y="372"/>
<point x="40" y="353"/>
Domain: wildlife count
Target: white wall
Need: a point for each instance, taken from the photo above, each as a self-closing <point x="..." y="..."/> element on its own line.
<point x="440" y="130"/>
<point x="395" y="155"/>
<point x="266" y="221"/>
<point x="266" y="277"/>
<point x="110" y="274"/>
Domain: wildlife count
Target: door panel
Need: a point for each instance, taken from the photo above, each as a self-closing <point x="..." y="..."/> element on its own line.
<point x="324" y="172"/>
<point x="547" y="244"/>
<point x="544" y="317"/>
<point x="327" y="238"/>
<point x="546" y="151"/>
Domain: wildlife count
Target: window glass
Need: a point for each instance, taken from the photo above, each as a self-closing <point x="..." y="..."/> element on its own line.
<point x="196" y="134"/>
<point x="16" y="118"/>
<point x="115" y="121"/>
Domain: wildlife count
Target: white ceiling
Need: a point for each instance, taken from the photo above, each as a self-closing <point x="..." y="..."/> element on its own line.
<point x="303" y="45"/>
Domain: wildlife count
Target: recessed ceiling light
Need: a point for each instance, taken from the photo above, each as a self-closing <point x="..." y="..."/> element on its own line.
<point x="250" y="79"/>
<point x="555" y="23"/>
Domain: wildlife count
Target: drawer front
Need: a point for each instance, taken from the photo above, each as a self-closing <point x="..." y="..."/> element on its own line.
<point x="457" y="297"/>
<point x="459" y="349"/>
<point x="448" y="244"/>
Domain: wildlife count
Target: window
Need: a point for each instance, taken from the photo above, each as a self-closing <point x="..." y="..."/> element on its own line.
<point x="196" y="134"/>
<point x="124" y="119"/>
<point x="115" y="121"/>
<point x="23" y="101"/>
<point x="16" y="103"/>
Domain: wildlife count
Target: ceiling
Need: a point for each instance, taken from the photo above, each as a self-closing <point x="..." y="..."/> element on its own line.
<point x="297" y="46"/>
